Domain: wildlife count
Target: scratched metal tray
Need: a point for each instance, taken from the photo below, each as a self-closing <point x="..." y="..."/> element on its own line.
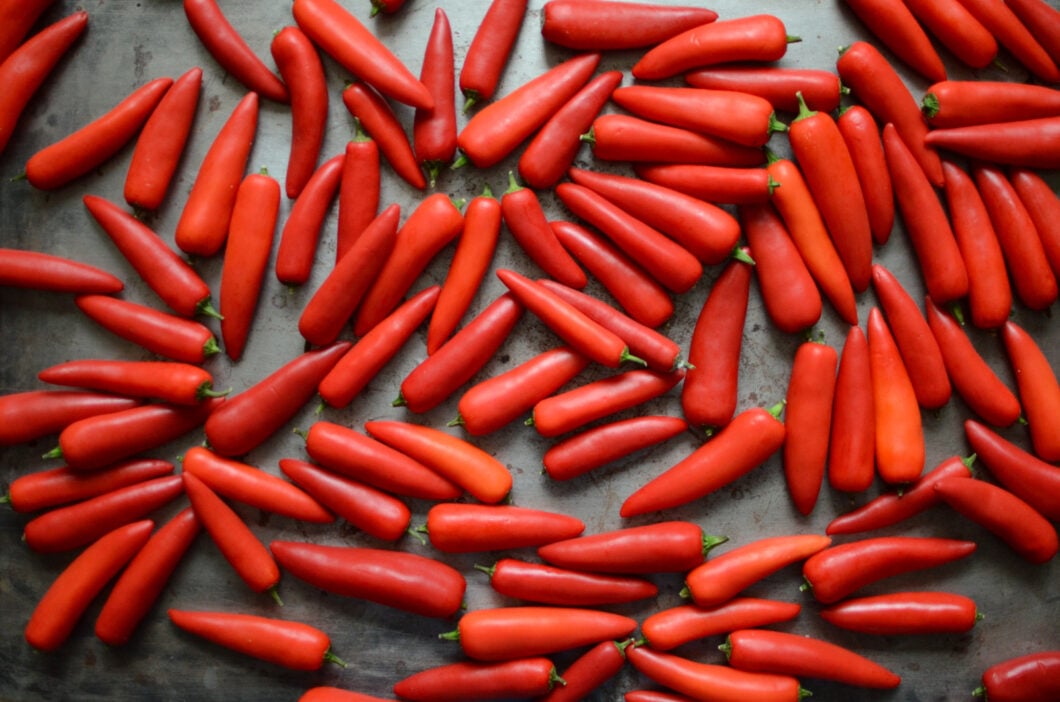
<point x="129" y="43"/>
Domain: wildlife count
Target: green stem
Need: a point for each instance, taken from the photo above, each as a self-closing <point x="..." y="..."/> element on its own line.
<point x="206" y="390"/>
<point x="471" y="98"/>
<point x="726" y="648"/>
<point x="513" y="184"/>
<point x="56" y="452"/>
<point x="211" y="347"/>
<point x="555" y="679"/>
<point x="776" y="409"/>
<point x="275" y="595"/>
<point x="488" y="570"/>
<point x="589" y="137"/>
<point x="741" y="255"/>
<point x="710" y="541"/>
<point x="930" y="105"/>
<point x="979" y="692"/>
<point x="459" y="162"/>
<point x="398" y="401"/>
<point x="453" y="635"/>
<point x="627" y="356"/>
<point x="330" y="657"/>
<point x="775" y="124"/>
<point x="793" y="39"/>
<point x="456" y="421"/>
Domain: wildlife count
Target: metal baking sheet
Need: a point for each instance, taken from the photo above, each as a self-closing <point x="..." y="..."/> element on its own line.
<point x="127" y="44"/>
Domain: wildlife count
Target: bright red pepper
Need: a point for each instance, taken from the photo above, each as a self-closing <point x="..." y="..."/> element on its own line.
<point x="893" y="23"/>
<point x="1044" y="207"/>
<point x="526" y="221"/>
<point x="673" y="546"/>
<point x="962" y="103"/>
<point x="303" y="73"/>
<point x="591" y="670"/>
<point x="669" y="628"/>
<point x="490" y="48"/>
<point x="607" y="443"/>
<point x="1039" y="389"/>
<point x="958" y="30"/>
<point x="471" y="680"/>
<point x="545" y="584"/>
<point x="1023" y="473"/>
<point x="1028" y="143"/>
<point x="381" y="123"/>
<point x="327" y="693"/>
<point x="32" y="492"/>
<point x="301" y="230"/>
<point x="177" y="383"/>
<point x="455" y="527"/>
<point x="900" y="445"/>
<point x="1022" y="678"/>
<point x="862" y="136"/>
<point x="168" y="335"/>
<point x="37" y="270"/>
<point x="712" y="681"/>
<point x="1012" y="34"/>
<point x="905" y="613"/>
<point x="717" y="184"/>
<point x="1040" y="19"/>
<point x="434" y="131"/>
<point x="596" y="26"/>
<point x="17" y="18"/>
<point x="619" y="137"/>
<point x="358" y="191"/>
<point x="32" y="414"/>
<point x="808" y="421"/>
<point x="778" y="85"/>
<point x="852" y="447"/>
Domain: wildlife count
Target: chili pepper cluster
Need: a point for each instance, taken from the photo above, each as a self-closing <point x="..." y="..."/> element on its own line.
<point x="964" y="174"/>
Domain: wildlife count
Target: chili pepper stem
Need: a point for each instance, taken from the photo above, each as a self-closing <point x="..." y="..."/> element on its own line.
<point x="211" y="348"/>
<point x="459" y="162"/>
<point x="627" y="356"/>
<point x="589" y="137"/>
<point x="979" y="692"/>
<point x="470" y="100"/>
<point x="742" y="256"/>
<point x="56" y="452"/>
<point x="433" y="169"/>
<point x="5" y="500"/>
<point x="775" y="124"/>
<point x="398" y="401"/>
<point x="456" y="421"/>
<point x="205" y="307"/>
<point x="275" y="595"/>
<point x="488" y="570"/>
<point x="453" y="635"/>
<point x="726" y="648"/>
<point x="332" y="658"/>
<point x="710" y="541"/>
<point x="555" y="679"/>
<point x="418" y="533"/>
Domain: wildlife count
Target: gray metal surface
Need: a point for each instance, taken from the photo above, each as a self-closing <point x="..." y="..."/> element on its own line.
<point x="127" y="44"/>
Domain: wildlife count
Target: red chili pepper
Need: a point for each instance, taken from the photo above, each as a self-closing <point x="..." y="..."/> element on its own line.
<point x="504" y="633"/>
<point x="37" y="270"/>
<point x="525" y="218"/>
<point x="172" y="279"/>
<point x="434" y="130"/>
<point x="496" y="130"/>
<point x="96" y="442"/>
<point x="167" y="335"/>
<point x="231" y="51"/>
<point x="784" y="653"/>
<point x="590" y="671"/>
<point x="852" y="446"/>
<point x="760" y="37"/>
<point x="398" y="579"/>
<point x="498" y="401"/>
<point x="1044" y="207"/>
<point x="438" y="376"/>
<point x="470" y="680"/>
<point x="724" y="577"/>
<point x="252" y="416"/>
<point x="358" y="456"/>
<point x="711" y="681"/>
<point x="893" y="23"/>
<point x="789" y="292"/>
<point x="671" y="264"/>
<point x="1035" y="282"/>
<point x="161" y="143"/>
<point x="326" y="693"/>
<point x="490" y="48"/>
<point x="1004" y="514"/>
<point x="484" y="477"/>
<point x="288" y="644"/>
<point x="673" y="546"/>
<point x="368" y="509"/>
<point x="58" y="611"/>
<point x="84" y="150"/>
<point x="962" y="103"/>
<point x="551" y="152"/>
<point x="387" y="7"/>
<point x="1012" y="34"/>
<point x="177" y="383"/>
<point x="957" y="29"/>
<point x="895" y="507"/>
<point x="653" y="696"/>
<point x="381" y="124"/>
<point x="359" y="190"/>
<point x="592" y="26"/>
<point x="467" y="528"/>
<point x="820" y="88"/>
<point x="303" y="73"/>
<point x="1034" y="480"/>
<point x="717" y="184"/>
<point x="669" y="628"/>
<point x="607" y="443"/>
<point x="365" y="359"/>
<point x="141" y="583"/>
<point x="973" y="378"/>
<point x="473" y="255"/>
<point x="905" y="613"/>
<point x="1029" y="143"/>
<point x="808" y="420"/>
<point x="1039" y="389"/>
<point x="838" y="571"/>
<point x="550" y="585"/>
<point x="203" y="224"/>
<point x="570" y="410"/>
<point x="32" y="492"/>
<point x="434" y="223"/>
<point x="862" y="137"/>
<point x="632" y="287"/>
<point x="17" y="18"/>
<point x="989" y="289"/>
<point x="1040" y="19"/>
<point x="1022" y="678"/>
<point x="334" y="302"/>
<point x="28" y="66"/>
<point x="797" y="208"/>
<point x="345" y="38"/>
<point x="876" y="84"/>
<point x="73" y="526"/>
<point x="33" y="414"/>
<point x="301" y="231"/>
<point x="618" y="137"/>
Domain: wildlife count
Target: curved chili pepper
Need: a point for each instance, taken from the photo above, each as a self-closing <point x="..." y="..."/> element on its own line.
<point x="862" y="137"/>
<point x="1029" y="143"/>
<point x="607" y="443"/>
<point x="760" y="37"/>
<point x="434" y="130"/>
<point x="345" y="38"/>
<point x="368" y="509"/>
<point x="38" y="270"/>
<point x="962" y="103"/>
<point x="84" y="150"/>
<point x="177" y="283"/>
<point x="438" y="376"/>
<point x="589" y="671"/>
<point x="59" y="609"/>
<point x="1040" y="19"/>
<point x="838" y="571"/>
<point x="1021" y="472"/>
<point x="957" y="29"/>
<point x="717" y="184"/>
<point x="498" y="401"/>
<point x="546" y="584"/>
<point x="454" y="682"/>
<point x="592" y="26"/>
<point x="1039" y="389"/>
<point x="894" y="24"/>
<point x="723" y="577"/>
<point x="618" y="137"/>
<point x="673" y="546"/>
<point x="784" y="653"/>
<point x="820" y="88"/>
<point x="303" y="73"/>
<point x="1022" y="678"/>
<point x="973" y="378"/>
<point x="17" y="18"/>
<point x="289" y="644"/>
<point x="1011" y="33"/>
<point x="161" y="143"/>
<point x="551" y="152"/>
<point x="358" y="191"/>
<point x="203" y="224"/>
<point x="351" y="373"/>
<point x="905" y="613"/>
<point x="789" y="292"/>
<point x="168" y="335"/>
<point x="852" y="446"/>
<point x="33" y="414"/>
<point x="382" y="125"/>
<point x="140" y="584"/>
<point x="1044" y="207"/>
<point x="710" y="392"/>
<point x="252" y="416"/>
<point x="900" y="446"/>
<point x="466" y="528"/>
<point x="484" y="477"/>
<point x="525" y="218"/>
<point x="653" y="696"/>
<point x="28" y="66"/>
<point x="894" y="507"/>
<point x="497" y="129"/>
<point x="301" y="230"/>
<point x="32" y="492"/>
<point x="490" y="48"/>
<point x="178" y="383"/>
<point x="75" y="525"/>
<point x="327" y="693"/>
<point x="398" y="579"/>
<point x="669" y="628"/>
<point x="808" y="419"/>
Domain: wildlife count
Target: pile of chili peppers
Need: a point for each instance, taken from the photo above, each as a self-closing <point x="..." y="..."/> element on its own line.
<point x="681" y="186"/>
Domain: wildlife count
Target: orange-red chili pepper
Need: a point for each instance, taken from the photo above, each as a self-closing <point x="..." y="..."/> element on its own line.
<point x="303" y="73"/>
